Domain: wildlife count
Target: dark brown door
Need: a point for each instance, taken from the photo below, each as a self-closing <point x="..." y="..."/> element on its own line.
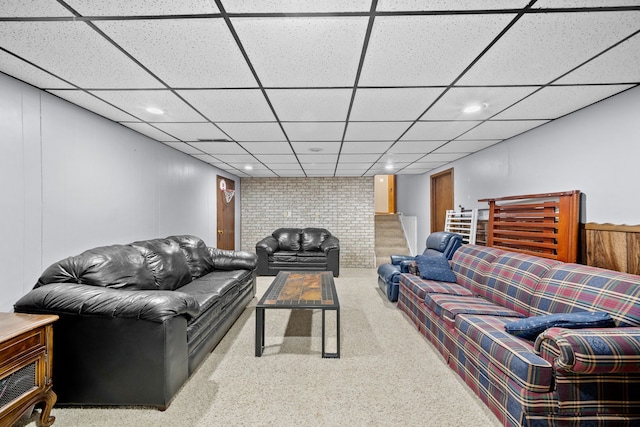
<point x="441" y="198"/>
<point x="226" y="213"/>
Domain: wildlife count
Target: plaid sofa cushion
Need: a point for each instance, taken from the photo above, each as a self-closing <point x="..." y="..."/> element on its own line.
<point x="571" y="287"/>
<point x="447" y="307"/>
<point x="422" y="287"/>
<point x="513" y="279"/>
<point x="513" y="356"/>
<point x="471" y="264"/>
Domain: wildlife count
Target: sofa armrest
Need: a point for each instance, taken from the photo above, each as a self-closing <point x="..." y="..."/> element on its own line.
<point x="594" y="350"/>
<point x="399" y="259"/>
<point x="330" y="243"/>
<point x="269" y="245"/>
<point x="86" y="300"/>
<point x="233" y="260"/>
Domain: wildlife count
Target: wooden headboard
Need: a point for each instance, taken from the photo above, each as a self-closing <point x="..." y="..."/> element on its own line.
<point x="544" y="225"/>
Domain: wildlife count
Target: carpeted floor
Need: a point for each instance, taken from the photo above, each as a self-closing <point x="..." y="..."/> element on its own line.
<point x="388" y="374"/>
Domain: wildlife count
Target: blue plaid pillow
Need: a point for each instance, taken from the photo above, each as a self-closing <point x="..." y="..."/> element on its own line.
<point x="530" y="327"/>
<point x="435" y="267"/>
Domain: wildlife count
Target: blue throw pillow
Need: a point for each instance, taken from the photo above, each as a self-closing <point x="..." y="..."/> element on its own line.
<point x="435" y="268"/>
<point x="531" y="327"/>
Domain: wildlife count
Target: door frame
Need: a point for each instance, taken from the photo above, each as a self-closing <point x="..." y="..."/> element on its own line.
<point x="437" y="200"/>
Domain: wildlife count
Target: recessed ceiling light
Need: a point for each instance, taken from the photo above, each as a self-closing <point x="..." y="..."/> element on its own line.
<point x="248" y="167"/>
<point x="474" y="108"/>
<point x="154" y="110"/>
<point x="389" y="167"/>
<point x="315" y="149"/>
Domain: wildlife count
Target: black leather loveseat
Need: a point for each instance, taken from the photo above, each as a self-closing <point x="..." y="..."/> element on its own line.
<point x="136" y="320"/>
<point x="298" y="249"/>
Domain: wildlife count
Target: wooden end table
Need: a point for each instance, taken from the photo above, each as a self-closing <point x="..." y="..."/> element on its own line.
<point x="300" y="290"/>
<point x="26" y="343"/>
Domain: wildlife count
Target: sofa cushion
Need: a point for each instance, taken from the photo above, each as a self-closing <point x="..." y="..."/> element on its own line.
<point x="313" y="257"/>
<point x="166" y="262"/>
<point x="312" y="238"/>
<point x="471" y="264"/>
<point x="447" y="307"/>
<point x="196" y="253"/>
<point x="571" y="287"/>
<point x="115" y="266"/>
<point x="513" y="278"/>
<point x="421" y="287"/>
<point x="435" y="268"/>
<point x="284" y="256"/>
<point x="530" y="327"/>
<point x="288" y="239"/>
<point x="513" y="356"/>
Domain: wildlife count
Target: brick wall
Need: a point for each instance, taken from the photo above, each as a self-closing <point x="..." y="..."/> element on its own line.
<point x="342" y="205"/>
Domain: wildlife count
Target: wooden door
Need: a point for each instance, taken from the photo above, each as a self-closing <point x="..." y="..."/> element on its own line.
<point x="441" y="198"/>
<point x="392" y="193"/>
<point x="226" y="213"/>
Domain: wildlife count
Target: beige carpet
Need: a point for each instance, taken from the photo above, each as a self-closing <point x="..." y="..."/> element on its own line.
<point x="388" y="375"/>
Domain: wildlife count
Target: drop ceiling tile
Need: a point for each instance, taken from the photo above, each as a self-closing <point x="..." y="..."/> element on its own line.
<point x="310" y="105"/>
<point x="442" y="157"/>
<point x="401" y="158"/>
<point x="496" y="129"/>
<point x="307" y="147"/>
<point x="303" y="51"/>
<point x="23" y="9"/>
<point x="253" y="131"/>
<point x="136" y="103"/>
<point x="407" y="50"/>
<point x="317" y="158"/>
<point x="425" y="131"/>
<point x="236" y="160"/>
<point x="184" y="52"/>
<point x="392" y="104"/>
<point x="418" y="168"/>
<point x="74" y="52"/>
<point x="185" y="148"/>
<point x="626" y="58"/>
<point x="319" y="167"/>
<point x="274" y="147"/>
<point x="150" y="131"/>
<point x="549" y="45"/>
<point x="91" y="103"/>
<point x="421" y="5"/>
<point x="229" y="105"/>
<point x="281" y="159"/>
<point x="262" y="174"/>
<point x="495" y="99"/>
<point x="287" y="173"/>
<point x="423" y="147"/>
<point x="205" y="158"/>
<point x="556" y="101"/>
<point x="284" y="166"/>
<point x="428" y="165"/>
<point x="216" y="147"/>
<point x="359" y="147"/>
<point x="314" y="131"/>
<point x="470" y="146"/>
<point x="142" y="7"/>
<point x="359" y="158"/>
<point x="13" y="66"/>
<point x="356" y="167"/>
<point x="583" y="3"/>
<point x="191" y="131"/>
<point x="298" y="6"/>
<point x="371" y="131"/>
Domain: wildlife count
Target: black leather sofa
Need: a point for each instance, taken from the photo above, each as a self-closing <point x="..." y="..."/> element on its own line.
<point x="137" y="320"/>
<point x="289" y="249"/>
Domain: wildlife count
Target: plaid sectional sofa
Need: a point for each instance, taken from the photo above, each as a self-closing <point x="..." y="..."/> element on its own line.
<point x="565" y="377"/>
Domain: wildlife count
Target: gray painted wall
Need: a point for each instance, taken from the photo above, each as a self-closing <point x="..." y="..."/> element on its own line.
<point x="595" y="150"/>
<point x="71" y="180"/>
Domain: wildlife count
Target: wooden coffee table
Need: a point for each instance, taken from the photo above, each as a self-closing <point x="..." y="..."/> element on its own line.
<point x="300" y="290"/>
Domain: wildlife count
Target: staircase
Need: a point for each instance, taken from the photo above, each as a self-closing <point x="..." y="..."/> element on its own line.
<point x="389" y="239"/>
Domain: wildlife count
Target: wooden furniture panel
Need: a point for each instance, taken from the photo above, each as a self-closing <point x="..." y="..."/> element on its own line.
<point x="614" y="247"/>
<point x="544" y="225"/>
<point x="26" y="342"/>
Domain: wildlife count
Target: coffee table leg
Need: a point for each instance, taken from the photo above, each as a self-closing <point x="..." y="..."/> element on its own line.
<point x="335" y="355"/>
<point x="259" y="331"/>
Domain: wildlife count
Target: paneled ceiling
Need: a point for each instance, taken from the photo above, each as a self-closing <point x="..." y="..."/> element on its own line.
<point x="287" y="88"/>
